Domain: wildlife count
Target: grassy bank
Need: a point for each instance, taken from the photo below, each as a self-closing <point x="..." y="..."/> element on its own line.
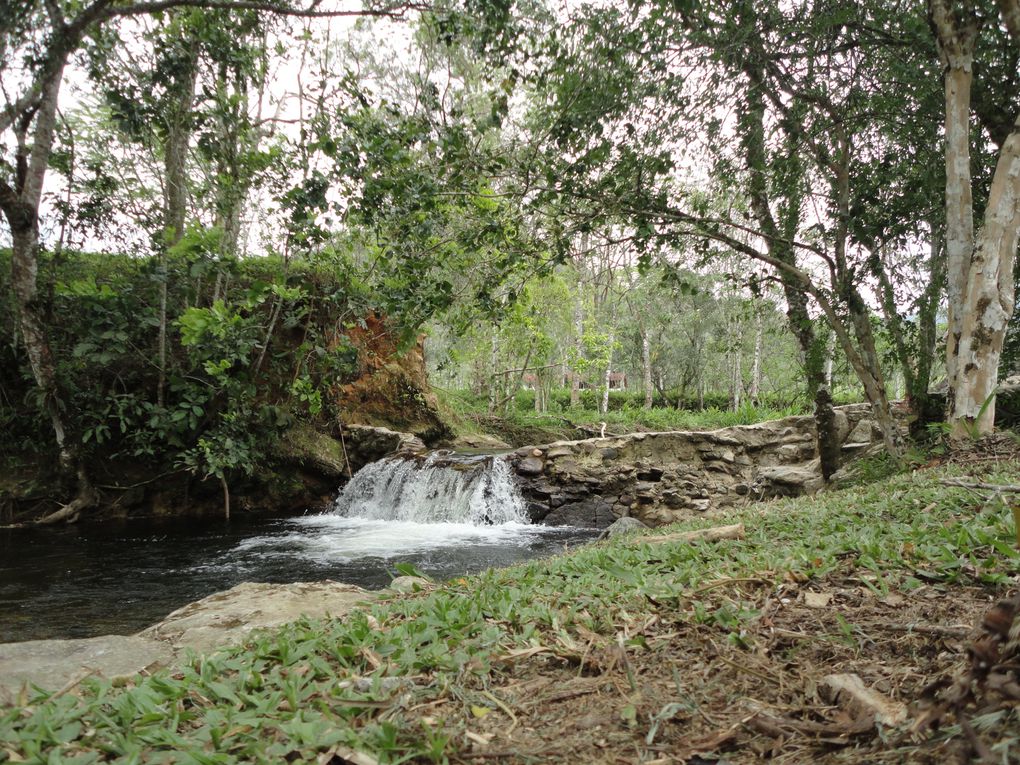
<point x="617" y="652"/>
<point x="520" y="425"/>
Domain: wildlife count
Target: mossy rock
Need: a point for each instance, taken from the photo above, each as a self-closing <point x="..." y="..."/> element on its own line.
<point x="304" y="446"/>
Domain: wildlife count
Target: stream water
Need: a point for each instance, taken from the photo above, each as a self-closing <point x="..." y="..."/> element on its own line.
<point x="447" y="518"/>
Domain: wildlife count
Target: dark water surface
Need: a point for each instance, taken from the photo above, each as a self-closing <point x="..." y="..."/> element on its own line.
<point x="119" y="577"/>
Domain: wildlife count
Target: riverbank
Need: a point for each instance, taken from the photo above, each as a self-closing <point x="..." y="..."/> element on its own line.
<point x="633" y="650"/>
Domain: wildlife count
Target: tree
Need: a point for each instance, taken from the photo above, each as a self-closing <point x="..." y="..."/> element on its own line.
<point x="980" y="266"/>
<point x="37" y="39"/>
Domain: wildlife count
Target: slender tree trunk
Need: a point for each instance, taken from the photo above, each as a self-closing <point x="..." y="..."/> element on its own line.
<point x="493" y="369"/>
<point x="175" y="198"/>
<point x="226" y="497"/>
<point x="779" y="241"/>
<point x="609" y="372"/>
<point x="736" y="372"/>
<point x="21" y="209"/>
<point x="646" y="367"/>
<point x="24" y="279"/>
<point x="921" y="403"/>
<point x="575" y="377"/>
<point x="754" y="394"/>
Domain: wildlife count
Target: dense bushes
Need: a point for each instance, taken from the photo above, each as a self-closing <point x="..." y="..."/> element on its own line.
<point x="251" y="345"/>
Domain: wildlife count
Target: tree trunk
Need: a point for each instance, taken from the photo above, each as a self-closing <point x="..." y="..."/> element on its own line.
<point x="924" y="406"/>
<point x="980" y="274"/>
<point x="754" y="393"/>
<point x="609" y="372"/>
<point x="21" y="208"/>
<point x="988" y="301"/>
<point x="575" y="377"/>
<point x="955" y="42"/>
<point x="493" y="368"/>
<point x="825" y="421"/>
<point x="830" y="360"/>
<point x="736" y="372"/>
<point x="24" y="273"/>
<point x="646" y="367"/>
<point x="175" y="198"/>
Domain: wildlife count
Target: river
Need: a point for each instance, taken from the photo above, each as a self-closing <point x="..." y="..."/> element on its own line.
<point x="117" y="577"/>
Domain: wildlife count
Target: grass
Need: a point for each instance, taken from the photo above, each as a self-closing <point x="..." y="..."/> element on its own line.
<point x="468" y="414"/>
<point x="312" y="688"/>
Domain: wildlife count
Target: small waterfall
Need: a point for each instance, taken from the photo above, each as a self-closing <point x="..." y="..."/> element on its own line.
<point x="442" y="488"/>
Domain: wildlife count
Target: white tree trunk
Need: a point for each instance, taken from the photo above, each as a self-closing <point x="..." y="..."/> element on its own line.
<point x="988" y="302"/>
<point x="980" y="273"/>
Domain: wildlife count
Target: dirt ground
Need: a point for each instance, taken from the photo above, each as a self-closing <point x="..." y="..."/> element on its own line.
<point x="675" y="689"/>
<point x="691" y="695"/>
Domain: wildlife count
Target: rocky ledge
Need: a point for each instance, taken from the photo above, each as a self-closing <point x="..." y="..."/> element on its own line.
<point x="217" y="620"/>
<point x="660" y="478"/>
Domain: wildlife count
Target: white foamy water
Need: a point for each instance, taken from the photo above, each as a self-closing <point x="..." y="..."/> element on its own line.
<point x="435" y="490"/>
<point x="328" y="539"/>
<point x="400" y="508"/>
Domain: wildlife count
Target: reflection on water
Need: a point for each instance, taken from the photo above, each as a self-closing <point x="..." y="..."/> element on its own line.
<point x="119" y="577"/>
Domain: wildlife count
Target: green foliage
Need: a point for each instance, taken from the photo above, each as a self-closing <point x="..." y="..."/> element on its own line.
<point x="293" y="693"/>
<point x="235" y="377"/>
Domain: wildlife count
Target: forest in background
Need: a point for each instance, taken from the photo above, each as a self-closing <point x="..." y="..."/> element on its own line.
<point x="714" y="205"/>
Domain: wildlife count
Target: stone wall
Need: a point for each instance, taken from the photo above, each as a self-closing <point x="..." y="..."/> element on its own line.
<point x="659" y="478"/>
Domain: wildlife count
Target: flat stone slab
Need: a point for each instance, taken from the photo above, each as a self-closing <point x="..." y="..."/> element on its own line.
<point x="227" y="617"/>
<point x="52" y="664"/>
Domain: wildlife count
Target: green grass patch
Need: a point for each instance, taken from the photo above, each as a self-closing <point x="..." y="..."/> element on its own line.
<point x="297" y="692"/>
<point x="468" y="414"/>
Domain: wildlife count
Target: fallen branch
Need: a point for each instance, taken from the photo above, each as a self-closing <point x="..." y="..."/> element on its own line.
<point x="777" y="727"/>
<point x="1002" y="488"/>
<point x="714" y="534"/>
<point x="857" y="695"/>
<point x="926" y="629"/>
<point x="85" y="498"/>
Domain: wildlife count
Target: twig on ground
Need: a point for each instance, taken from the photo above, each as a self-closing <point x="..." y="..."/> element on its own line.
<point x="955" y="631"/>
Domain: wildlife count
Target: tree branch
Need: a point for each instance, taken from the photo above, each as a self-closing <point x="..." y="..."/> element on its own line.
<point x="310" y="12"/>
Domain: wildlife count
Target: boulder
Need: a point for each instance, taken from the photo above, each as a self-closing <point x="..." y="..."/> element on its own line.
<point x="842" y="425"/>
<point x="622" y="526"/>
<point x="368" y="443"/>
<point x="407" y="584"/>
<point x="789" y="480"/>
<point x="590" y="513"/>
<point x="52" y="664"/>
<point x="228" y="617"/>
<point x="530" y="466"/>
<point x="304" y="447"/>
<point x="862" y="433"/>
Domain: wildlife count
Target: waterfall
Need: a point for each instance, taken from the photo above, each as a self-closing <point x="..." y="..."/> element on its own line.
<point x="441" y="488"/>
